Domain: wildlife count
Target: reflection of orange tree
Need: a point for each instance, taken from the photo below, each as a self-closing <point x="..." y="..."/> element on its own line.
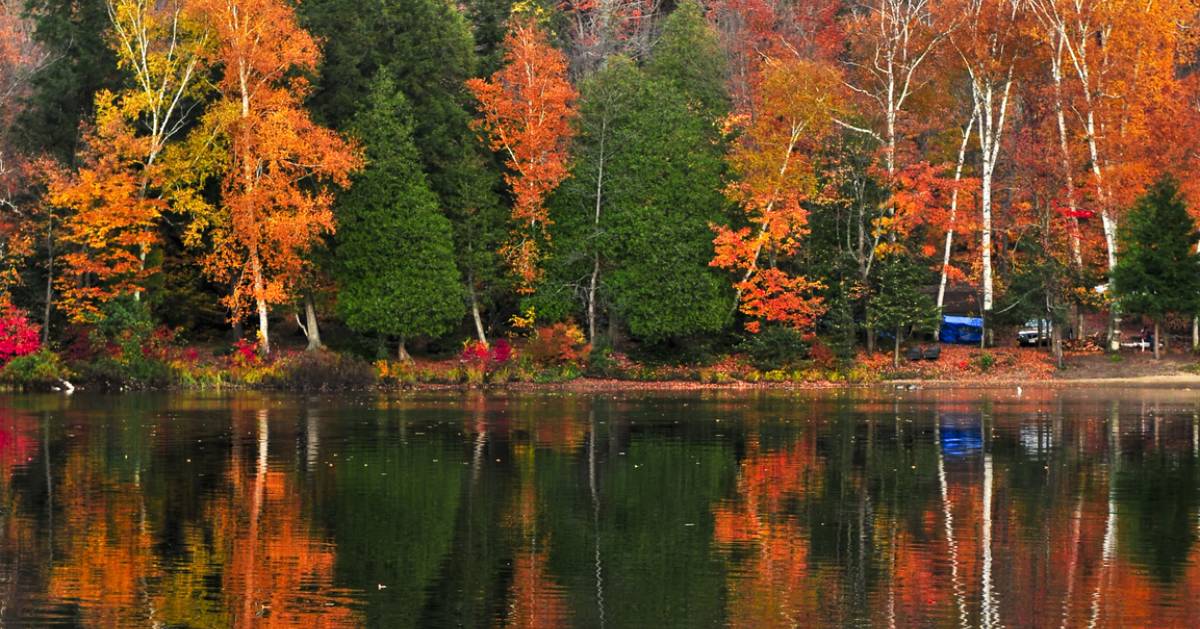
<point x="276" y="574"/>
<point x="108" y="555"/>
<point x="535" y="600"/>
<point x="254" y="536"/>
<point x="773" y="586"/>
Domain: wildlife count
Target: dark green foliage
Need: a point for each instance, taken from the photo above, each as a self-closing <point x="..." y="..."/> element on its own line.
<point x="775" y="347"/>
<point x="898" y="302"/>
<point x="72" y="33"/>
<point x="489" y="22"/>
<point x="1158" y="272"/>
<point x="126" y="349"/>
<point x="689" y="61"/>
<point x="427" y="47"/>
<point x="395" y="255"/>
<point x="655" y="137"/>
<point x="39" y="370"/>
<point x="840" y="326"/>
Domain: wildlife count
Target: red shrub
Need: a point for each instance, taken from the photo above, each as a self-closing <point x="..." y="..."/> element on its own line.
<point x="18" y="336"/>
<point x="502" y="352"/>
<point x="822" y="356"/>
<point x="245" y="353"/>
<point x="479" y="354"/>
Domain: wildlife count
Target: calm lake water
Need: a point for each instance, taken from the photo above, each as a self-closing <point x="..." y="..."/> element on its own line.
<point x="705" y="509"/>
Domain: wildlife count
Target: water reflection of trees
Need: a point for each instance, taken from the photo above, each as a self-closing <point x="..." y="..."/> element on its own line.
<point x="248" y="558"/>
<point x="938" y="508"/>
<point x="1045" y="521"/>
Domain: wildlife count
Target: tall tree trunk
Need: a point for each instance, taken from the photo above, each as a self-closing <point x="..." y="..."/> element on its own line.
<point x="591" y="314"/>
<point x="264" y="334"/>
<point x="475" y="314"/>
<point x="311" y="327"/>
<point x="1056" y="340"/>
<point x="402" y="352"/>
<point x="1108" y="221"/>
<point x="896" y="349"/>
<point x="958" y="169"/>
<point x="1157" y="339"/>
<point x="595" y="279"/>
<point x="1068" y="170"/>
<point x="992" y="117"/>
<point x="49" y="281"/>
<point x="1195" y="333"/>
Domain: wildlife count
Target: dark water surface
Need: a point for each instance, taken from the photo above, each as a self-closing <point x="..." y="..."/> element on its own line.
<point x="885" y="508"/>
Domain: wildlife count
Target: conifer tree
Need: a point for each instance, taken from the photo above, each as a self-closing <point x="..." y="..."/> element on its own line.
<point x="428" y="49"/>
<point x="646" y="183"/>
<point x="899" y="303"/>
<point x="395" y="253"/>
<point x="1158" y="272"/>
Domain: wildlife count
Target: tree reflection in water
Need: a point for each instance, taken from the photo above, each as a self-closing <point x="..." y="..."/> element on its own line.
<point x="885" y="508"/>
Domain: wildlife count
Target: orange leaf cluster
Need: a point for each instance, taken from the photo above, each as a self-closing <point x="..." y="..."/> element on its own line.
<point x="773" y="161"/>
<point x="113" y="222"/>
<point x="526" y="109"/>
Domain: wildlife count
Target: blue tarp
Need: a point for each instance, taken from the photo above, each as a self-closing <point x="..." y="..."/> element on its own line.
<point x="961" y="435"/>
<point x="965" y="330"/>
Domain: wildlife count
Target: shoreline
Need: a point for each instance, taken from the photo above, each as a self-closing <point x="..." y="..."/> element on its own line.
<point x="608" y="385"/>
<point x="585" y="385"/>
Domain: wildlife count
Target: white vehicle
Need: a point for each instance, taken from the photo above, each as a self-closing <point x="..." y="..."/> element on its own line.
<point x="1034" y="332"/>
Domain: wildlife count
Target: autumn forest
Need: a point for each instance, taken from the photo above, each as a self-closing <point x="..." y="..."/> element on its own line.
<point x="535" y="189"/>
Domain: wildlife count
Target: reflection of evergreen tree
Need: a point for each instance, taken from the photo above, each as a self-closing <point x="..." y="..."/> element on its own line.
<point x="655" y="526"/>
<point x="393" y="514"/>
<point x="1157" y="500"/>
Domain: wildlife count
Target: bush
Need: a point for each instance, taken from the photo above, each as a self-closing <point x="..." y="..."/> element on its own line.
<point x="775" y="347"/>
<point x="984" y="362"/>
<point x="481" y="362"/>
<point x="321" y="371"/>
<point x="602" y="364"/>
<point x="559" y="345"/>
<point x="40" y="369"/>
<point x="127" y="349"/>
<point x="18" y="336"/>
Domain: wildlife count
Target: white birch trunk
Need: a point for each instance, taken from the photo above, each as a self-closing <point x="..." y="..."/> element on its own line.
<point x="949" y="244"/>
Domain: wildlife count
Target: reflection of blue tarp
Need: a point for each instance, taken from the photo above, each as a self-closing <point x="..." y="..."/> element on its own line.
<point x="962" y="435"/>
<point x="967" y="330"/>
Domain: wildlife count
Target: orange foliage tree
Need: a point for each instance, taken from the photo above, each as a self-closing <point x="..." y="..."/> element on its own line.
<point x="526" y="109"/>
<point x="115" y="198"/>
<point x="274" y="206"/>
<point x="112" y="221"/>
<point x="794" y="106"/>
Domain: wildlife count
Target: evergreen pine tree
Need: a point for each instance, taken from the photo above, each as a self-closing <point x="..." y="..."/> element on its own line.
<point x="72" y="32"/>
<point x="428" y="49"/>
<point x="646" y="184"/>
<point x="395" y="254"/>
<point x="898" y="303"/>
<point x="1158" y="272"/>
